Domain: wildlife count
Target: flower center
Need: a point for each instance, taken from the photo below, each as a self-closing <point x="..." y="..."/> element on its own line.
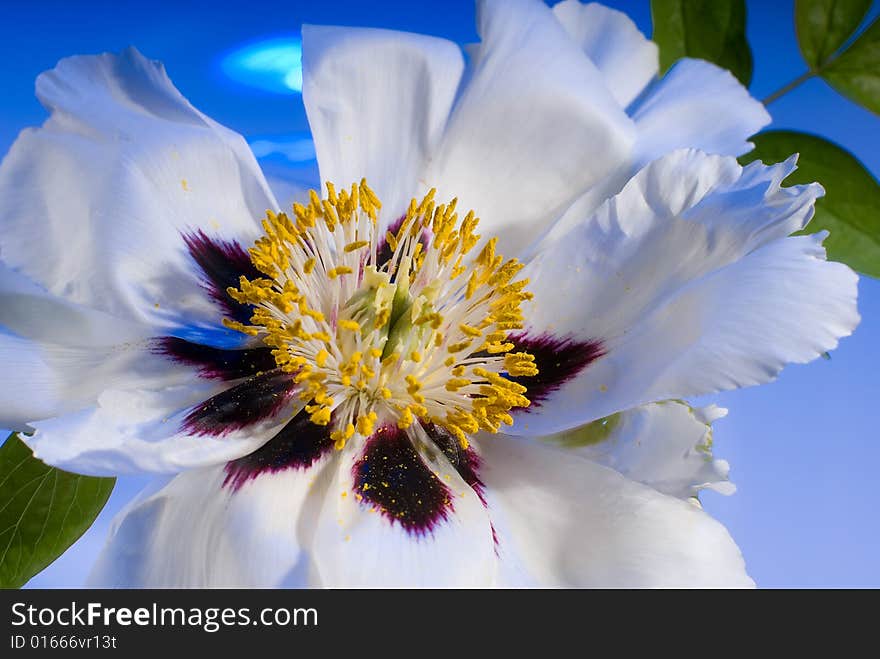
<point x="389" y="329"/>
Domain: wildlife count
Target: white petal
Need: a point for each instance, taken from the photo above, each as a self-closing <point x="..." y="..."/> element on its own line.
<point x="533" y="128"/>
<point x="696" y="105"/>
<point x="191" y="531"/>
<point x="53" y="379"/>
<point x="564" y="521"/>
<point x="135" y="431"/>
<point x="357" y="546"/>
<point x="685" y="280"/>
<point x="62" y="355"/>
<point x="377" y="102"/>
<point x="65" y="354"/>
<point x="94" y="201"/>
<point x="32" y="389"/>
<point x="667" y="446"/>
<point x="30" y="311"/>
<point x="628" y="61"/>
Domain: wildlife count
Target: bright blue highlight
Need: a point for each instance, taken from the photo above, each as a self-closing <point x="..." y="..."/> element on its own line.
<point x="273" y="65"/>
<point x="216" y="336"/>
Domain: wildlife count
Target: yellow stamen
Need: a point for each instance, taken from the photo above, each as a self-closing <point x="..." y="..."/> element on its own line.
<point x="372" y="342"/>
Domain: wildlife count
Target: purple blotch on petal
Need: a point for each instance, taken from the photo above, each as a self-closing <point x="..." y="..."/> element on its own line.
<point x="298" y="445"/>
<point x="465" y="460"/>
<point x="248" y="403"/>
<point x="558" y="361"/>
<point x="216" y="363"/>
<point x="391" y="476"/>
<point x="222" y="262"/>
<point x="383" y="249"/>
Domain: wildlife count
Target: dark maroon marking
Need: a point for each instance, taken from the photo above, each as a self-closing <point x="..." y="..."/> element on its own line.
<point x="558" y="361"/>
<point x="216" y="363"/>
<point x="243" y="405"/>
<point x="391" y="476"/>
<point x="465" y="460"/>
<point x="222" y="263"/>
<point x="383" y="249"/>
<point x="298" y="445"/>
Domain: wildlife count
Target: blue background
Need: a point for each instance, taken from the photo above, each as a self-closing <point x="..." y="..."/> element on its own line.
<point x="803" y="450"/>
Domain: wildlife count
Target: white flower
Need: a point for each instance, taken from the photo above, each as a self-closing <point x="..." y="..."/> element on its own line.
<point x="324" y="407"/>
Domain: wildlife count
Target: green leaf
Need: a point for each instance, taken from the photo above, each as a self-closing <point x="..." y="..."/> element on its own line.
<point x="589" y="434"/>
<point x="713" y="30"/>
<point x="850" y="209"/>
<point x="43" y="511"/>
<point x="856" y="72"/>
<point x="824" y="25"/>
